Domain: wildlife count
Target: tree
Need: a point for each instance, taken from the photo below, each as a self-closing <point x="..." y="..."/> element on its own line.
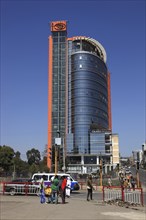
<point x="17" y="154"/>
<point x="33" y="156"/>
<point x="6" y="158"/>
<point x="43" y="165"/>
<point x="33" y="169"/>
<point x="20" y="167"/>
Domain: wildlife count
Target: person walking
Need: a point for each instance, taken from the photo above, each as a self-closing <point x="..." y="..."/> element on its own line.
<point x="109" y="182"/>
<point x="68" y="187"/>
<point x="42" y="190"/>
<point x="54" y="188"/>
<point x="89" y="188"/>
<point x="63" y="188"/>
<point x="133" y="182"/>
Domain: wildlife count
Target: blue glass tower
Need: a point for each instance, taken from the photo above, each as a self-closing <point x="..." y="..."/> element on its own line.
<point x="87" y="92"/>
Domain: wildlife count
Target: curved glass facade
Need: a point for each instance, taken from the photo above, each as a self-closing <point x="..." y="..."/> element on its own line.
<point x="88" y="95"/>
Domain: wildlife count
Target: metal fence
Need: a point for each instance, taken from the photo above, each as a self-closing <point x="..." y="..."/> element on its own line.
<point x="112" y="193"/>
<point x="126" y="195"/>
<point x="133" y="196"/>
<point x="19" y="188"/>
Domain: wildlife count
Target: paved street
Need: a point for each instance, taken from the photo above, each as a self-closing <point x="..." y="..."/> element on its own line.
<point x="76" y="208"/>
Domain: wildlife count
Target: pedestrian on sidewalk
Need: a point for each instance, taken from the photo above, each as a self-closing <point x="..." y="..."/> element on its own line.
<point x="133" y="182"/>
<point x="90" y="188"/>
<point x="68" y="187"/>
<point x="42" y="190"/>
<point x="54" y="188"/>
<point x="109" y="182"/>
<point x="63" y="188"/>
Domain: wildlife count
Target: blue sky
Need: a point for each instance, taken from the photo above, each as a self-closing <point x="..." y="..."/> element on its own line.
<point x="118" y="25"/>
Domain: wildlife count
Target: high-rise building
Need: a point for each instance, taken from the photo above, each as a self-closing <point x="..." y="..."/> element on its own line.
<point x="57" y="83"/>
<point x="79" y="99"/>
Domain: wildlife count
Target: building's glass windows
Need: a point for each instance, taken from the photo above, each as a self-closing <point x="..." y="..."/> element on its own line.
<point x="69" y="143"/>
<point x="97" y="143"/>
<point x="59" y="82"/>
<point x="90" y="160"/>
<point x="88" y="99"/>
<point x="74" y="160"/>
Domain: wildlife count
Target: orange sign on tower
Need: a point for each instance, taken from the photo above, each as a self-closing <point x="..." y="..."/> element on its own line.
<point x="58" y="26"/>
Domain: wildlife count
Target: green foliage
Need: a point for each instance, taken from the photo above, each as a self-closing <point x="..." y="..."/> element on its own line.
<point x="43" y="165"/>
<point x="33" y="156"/>
<point x="6" y="158"/>
<point x="11" y="163"/>
<point x="33" y="169"/>
<point x="20" y="167"/>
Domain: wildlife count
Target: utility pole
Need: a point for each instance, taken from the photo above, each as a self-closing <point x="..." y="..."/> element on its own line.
<point x="57" y="143"/>
<point x="137" y="174"/>
<point x="63" y="156"/>
<point x="56" y="155"/>
<point x="14" y="171"/>
<point x="101" y="173"/>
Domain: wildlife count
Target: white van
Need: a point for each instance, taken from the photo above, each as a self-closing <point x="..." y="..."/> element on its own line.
<point x="47" y="179"/>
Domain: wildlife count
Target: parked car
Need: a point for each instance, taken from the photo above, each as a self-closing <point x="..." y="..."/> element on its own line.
<point x="21" y="186"/>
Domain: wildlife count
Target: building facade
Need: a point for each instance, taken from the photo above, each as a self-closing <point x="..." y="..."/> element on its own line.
<point x="144" y="154"/>
<point x="79" y="99"/>
<point x="115" y="149"/>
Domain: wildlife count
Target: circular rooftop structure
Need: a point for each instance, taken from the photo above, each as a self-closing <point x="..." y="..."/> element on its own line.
<point x="91" y="45"/>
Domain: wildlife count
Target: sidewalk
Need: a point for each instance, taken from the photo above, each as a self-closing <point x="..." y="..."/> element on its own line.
<point x="29" y="208"/>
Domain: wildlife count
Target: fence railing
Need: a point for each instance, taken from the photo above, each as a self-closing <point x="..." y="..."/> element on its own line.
<point x="19" y="188"/>
<point x="130" y="195"/>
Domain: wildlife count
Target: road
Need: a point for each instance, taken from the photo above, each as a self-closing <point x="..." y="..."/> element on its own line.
<point x="82" y="195"/>
<point x="76" y="208"/>
<point x="142" y="176"/>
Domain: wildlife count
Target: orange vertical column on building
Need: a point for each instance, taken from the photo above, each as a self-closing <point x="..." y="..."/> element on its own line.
<point x="109" y="102"/>
<point x="49" y="148"/>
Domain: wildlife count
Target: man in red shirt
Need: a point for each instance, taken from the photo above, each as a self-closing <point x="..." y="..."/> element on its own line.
<point x="62" y="188"/>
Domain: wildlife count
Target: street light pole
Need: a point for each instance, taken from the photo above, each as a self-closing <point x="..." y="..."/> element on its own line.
<point x="63" y="148"/>
<point x="56" y="155"/>
<point x="101" y="173"/>
<point x="14" y="172"/>
<point x="63" y="156"/>
<point x="137" y="174"/>
<point x="57" y="143"/>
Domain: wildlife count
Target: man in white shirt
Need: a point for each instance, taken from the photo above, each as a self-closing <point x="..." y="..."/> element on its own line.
<point x="68" y="187"/>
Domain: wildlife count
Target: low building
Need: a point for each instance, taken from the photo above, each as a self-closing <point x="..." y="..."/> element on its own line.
<point x="104" y="146"/>
<point x="115" y="149"/>
<point x="137" y="156"/>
